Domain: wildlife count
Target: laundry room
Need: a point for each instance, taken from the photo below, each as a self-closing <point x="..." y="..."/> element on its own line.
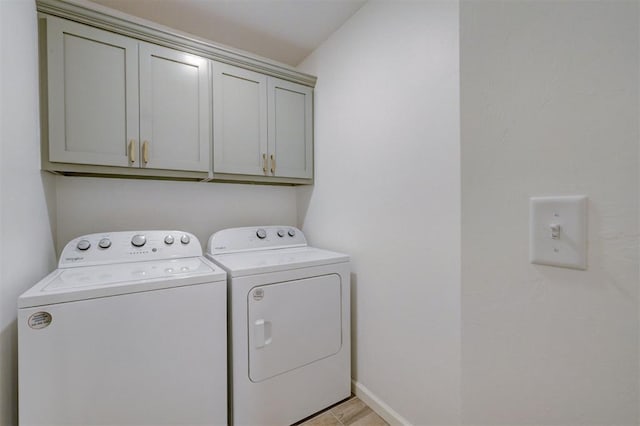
<point x="437" y="126"/>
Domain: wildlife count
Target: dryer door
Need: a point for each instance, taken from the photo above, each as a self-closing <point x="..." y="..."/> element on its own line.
<point x="292" y="324"/>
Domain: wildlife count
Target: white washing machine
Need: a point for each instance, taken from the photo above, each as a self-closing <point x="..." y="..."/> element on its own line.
<point x="289" y="324"/>
<point x="129" y="330"/>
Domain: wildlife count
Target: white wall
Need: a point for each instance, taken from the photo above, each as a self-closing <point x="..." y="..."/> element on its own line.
<point x="87" y="205"/>
<point x="549" y="106"/>
<point x="26" y="240"/>
<point x="388" y="192"/>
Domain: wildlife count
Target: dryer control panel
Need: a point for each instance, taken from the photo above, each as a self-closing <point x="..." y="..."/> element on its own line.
<point x="128" y="246"/>
<point x="252" y="238"/>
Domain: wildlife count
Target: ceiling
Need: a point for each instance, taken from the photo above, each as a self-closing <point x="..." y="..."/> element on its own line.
<point x="282" y="30"/>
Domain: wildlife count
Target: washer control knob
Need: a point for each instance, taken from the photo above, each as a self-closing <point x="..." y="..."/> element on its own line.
<point x="185" y="239"/>
<point x="139" y="240"/>
<point x="83" y="245"/>
<point x="292" y="232"/>
<point x="280" y="233"/>
<point x="104" y="243"/>
<point x="261" y="233"/>
<point x="168" y="240"/>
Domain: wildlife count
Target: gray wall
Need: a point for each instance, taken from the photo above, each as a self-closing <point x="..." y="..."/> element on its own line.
<point x="87" y="205"/>
<point x="549" y="106"/>
<point x="27" y="196"/>
<point x="388" y="192"/>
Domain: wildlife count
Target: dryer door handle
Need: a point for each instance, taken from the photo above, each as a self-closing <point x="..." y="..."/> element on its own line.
<point x="262" y="333"/>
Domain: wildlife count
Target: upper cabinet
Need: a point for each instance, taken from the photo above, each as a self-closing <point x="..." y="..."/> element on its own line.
<point x="174" y="109"/>
<point x="114" y="101"/>
<point x="92" y="77"/>
<point x="123" y="96"/>
<point x="290" y="129"/>
<point x="263" y="126"/>
<point x="239" y="120"/>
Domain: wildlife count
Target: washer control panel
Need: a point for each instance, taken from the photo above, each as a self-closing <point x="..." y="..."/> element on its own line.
<point x="128" y="246"/>
<point x="255" y="238"/>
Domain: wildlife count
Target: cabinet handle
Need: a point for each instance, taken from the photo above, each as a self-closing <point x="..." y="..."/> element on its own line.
<point x="145" y="152"/>
<point x="264" y="163"/>
<point x="132" y="151"/>
<point x="273" y="164"/>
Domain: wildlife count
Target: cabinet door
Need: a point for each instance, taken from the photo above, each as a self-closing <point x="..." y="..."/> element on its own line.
<point x="290" y="129"/>
<point x="239" y="120"/>
<point x="174" y="109"/>
<point x="92" y="94"/>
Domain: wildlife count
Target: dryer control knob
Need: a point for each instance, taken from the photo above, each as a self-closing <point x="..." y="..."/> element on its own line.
<point x="168" y="239"/>
<point x="104" y="243"/>
<point x="139" y="240"/>
<point x="185" y="239"/>
<point x="261" y="233"/>
<point x="292" y="232"/>
<point x="83" y="245"/>
<point x="280" y="233"/>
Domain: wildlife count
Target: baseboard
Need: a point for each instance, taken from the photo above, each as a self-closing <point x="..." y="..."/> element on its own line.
<point x="377" y="405"/>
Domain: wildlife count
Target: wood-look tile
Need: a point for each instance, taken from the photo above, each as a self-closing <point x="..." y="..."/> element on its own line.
<point x="371" y="419"/>
<point x="325" y="419"/>
<point x="351" y="411"/>
<point x="349" y="406"/>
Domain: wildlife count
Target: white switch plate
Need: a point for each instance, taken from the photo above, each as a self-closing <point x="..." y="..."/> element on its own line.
<point x="569" y="248"/>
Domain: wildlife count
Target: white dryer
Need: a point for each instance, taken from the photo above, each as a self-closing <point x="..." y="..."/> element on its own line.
<point x="130" y="329"/>
<point x="289" y="324"/>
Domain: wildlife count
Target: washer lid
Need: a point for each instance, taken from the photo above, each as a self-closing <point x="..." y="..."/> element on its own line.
<point x="265" y="261"/>
<point x="89" y="282"/>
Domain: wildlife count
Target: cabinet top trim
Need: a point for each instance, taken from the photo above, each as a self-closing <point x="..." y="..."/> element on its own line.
<point x="112" y="20"/>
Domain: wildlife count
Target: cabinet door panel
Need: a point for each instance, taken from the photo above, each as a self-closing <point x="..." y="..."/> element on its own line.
<point x="93" y="94"/>
<point x="174" y="109"/>
<point x="291" y="128"/>
<point x="240" y="120"/>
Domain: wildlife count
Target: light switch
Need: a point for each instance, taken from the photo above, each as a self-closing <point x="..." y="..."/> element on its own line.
<point x="558" y="231"/>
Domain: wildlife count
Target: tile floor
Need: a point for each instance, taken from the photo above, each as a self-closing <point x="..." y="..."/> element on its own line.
<point x="351" y="412"/>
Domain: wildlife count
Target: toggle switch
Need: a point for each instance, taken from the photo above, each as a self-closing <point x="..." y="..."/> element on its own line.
<point x="558" y="231"/>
